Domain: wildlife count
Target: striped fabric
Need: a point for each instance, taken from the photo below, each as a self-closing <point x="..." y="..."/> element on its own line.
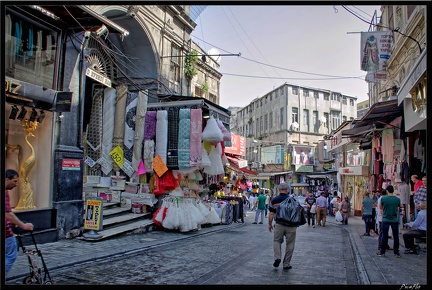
<point x="184" y="139"/>
<point x="173" y="129"/>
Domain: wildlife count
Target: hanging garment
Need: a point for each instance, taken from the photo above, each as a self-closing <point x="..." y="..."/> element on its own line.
<point x="108" y="114"/>
<point x="30" y="45"/>
<point x="94" y="129"/>
<point x="195" y="137"/>
<point x="387" y="146"/>
<point x="162" y="134"/>
<point x="148" y="155"/>
<point x="120" y="111"/>
<point x="173" y="130"/>
<point x="141" y="110"/>
<point x="211" y="132"/>
<point x="184" y="139"/>
<point x="150" y="125"/>
<point x="18" y="37"/>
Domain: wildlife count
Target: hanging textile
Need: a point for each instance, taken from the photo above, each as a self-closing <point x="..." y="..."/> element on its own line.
<point x="94" y="129"/>
<point x="150" y="125"/>
<point x="162" y="134"/>
<point x="184" y="139"/>
<point x="108" y="115"/>
<point x="120" y="110"/>
<point x="129" y="132"/>
<point x="173" y="130"/>
<point x="195" y="137"/>
<point x="387" y="146"/>
<point x="148" y="155"/>
<point x="18" y="36"/>
<point x="30" y="42"/>
<point x="141" y="110"/>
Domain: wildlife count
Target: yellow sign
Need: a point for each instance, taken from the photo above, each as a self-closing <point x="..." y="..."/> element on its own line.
<point x="93" y="214"/>
<point x="117" y="155"/>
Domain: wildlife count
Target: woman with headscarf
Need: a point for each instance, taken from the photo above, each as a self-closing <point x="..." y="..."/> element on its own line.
<point x="345" y="209"/>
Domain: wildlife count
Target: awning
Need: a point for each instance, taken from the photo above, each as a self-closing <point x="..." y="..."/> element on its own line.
<point x="316" y="176"/>
<point x="244" y="170"/>
<point x="241" y="163"/>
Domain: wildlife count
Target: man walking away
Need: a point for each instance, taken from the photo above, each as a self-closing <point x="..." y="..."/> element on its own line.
<point x="310" y="201"/>
<point x="260" y="207"/>
<point x="267" y="202"/>
<point x="418" y="229"/>
<point x="281" y="231"/>
<point x="390" y="206"/>
<point x="321" y="210"/>
<point x="367" y="212"/>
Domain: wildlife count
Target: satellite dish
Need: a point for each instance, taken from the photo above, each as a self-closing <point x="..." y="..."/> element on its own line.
<point x="295" y="125"/>
<point x="215" y="54"/>
<point x="323" y="119"/>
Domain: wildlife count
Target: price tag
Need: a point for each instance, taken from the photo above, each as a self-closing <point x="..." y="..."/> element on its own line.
<point x="117" y="155"/>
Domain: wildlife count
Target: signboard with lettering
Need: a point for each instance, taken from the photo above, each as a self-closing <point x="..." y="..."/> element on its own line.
<point x="71" y="164"/>
<point x="238" y="145"/>
<point x="98" y="77"/>
<point x="93" y="214"/>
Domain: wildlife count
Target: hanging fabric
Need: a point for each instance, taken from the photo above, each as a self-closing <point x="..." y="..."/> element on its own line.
<point x="195" y="137"/>
<point x="129" y="131"/>
<point x="150" y="125"/>
<point x="120" y="110"/>
<point x="184" y="138"/>
<point x="108" y="115"/>
<point x="141" y="110"/>
<point x="162" y="134"/>
<point x="173" y="130"/>
<point x="94" y="128"/>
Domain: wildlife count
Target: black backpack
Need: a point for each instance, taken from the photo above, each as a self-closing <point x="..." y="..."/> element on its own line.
<point x="290" y="213"/>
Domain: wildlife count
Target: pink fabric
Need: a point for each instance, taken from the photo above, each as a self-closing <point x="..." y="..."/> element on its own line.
<point x="141" y="168"/>
<point x="195" y="137"/>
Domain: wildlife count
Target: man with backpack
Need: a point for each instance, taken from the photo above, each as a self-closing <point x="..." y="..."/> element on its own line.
<point x="280" y="231"/>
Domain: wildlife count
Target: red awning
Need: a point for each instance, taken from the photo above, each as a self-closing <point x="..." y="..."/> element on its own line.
<point x="238" y="161"/>
<point x="234" y="167"/>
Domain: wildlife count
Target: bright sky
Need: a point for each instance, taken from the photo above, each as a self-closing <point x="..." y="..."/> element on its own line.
<point x="310" y="45"/>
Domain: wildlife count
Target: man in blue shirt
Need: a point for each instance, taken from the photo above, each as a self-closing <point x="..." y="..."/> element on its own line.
<point x="418" y="229"/>
<point x="321" y="209"/>
<point x="367" y="212"/>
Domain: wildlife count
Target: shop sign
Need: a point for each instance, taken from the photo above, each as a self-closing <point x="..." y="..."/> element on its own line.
<point x="93" y="214"/>
<point x="354" y="170"/>
<point x="98" y="77"/>
<point x="71" y="164"/>
<point x="238" y="145"/>
<point x="303" y="168"/>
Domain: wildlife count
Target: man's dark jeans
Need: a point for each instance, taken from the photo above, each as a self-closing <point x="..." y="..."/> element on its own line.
<point x="395" y="232"/>
<point x="367" y="220"/>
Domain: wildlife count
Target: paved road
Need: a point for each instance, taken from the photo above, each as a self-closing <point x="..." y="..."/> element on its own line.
<point x="337" y="254"/>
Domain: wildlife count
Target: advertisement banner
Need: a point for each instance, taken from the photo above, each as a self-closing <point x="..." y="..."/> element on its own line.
<point x="375" y="52"/>
<point x="93" y="214"/>
<point x="238" y="145"/>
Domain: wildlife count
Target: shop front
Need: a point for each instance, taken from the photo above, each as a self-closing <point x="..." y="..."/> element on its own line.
<point x="354" y="183"/>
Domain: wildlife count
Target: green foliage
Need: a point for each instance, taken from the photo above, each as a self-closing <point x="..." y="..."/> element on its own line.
<point x="189" y="66"/>
<point x="205" y="87"/>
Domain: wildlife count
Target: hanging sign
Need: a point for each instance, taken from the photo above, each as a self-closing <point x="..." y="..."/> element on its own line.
<point x="98" y="77"/>
<point x="117" y="155"/>
<point x="71" y="164"/>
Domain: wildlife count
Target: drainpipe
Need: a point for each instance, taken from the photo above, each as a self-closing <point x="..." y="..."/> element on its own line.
<point x="81" y="83"/>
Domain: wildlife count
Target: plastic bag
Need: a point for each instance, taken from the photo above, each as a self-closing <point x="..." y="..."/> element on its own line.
<point x="338" y="216"/>
<point x="290" y="213"/>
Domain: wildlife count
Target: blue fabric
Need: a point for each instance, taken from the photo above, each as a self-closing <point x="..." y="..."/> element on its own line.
<point x="184" y="138"/>
<point x="11" y="253"/>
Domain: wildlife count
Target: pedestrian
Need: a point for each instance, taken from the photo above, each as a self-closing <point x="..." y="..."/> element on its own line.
<point x="245" y="204"/>
<point x="373" y="219"/>
<point x="345" y="209"/>
<point x="420" y="195"/>
<point x="390" y="206"/>
<point x="333" y="206"/>
<point x="418" y="229"/>
<point x="260" y="207"/>
<point x="310" y="201"/>
<point x="379" y="222"/>
<point x="11" y="251"/>
<point x="367" y="204"/>
<point x="321" y="210"/>
<point x="417" y="183"/>
<point x="280" y="231"/>
<point x="251" y="201"/>
<point x="267" y="202"/>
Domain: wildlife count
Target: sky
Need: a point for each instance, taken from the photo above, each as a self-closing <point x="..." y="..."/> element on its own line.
<point x="316" y="46"/>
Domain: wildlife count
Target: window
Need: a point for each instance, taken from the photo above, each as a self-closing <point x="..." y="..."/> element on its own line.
<point x="213" y="99"/>
<point x="260" y="103"/>
<point x="198" y="91"/>
<point x="261" y="124"/>
<point x="305" y="93"/>
<point x="270" y="120"/>
<point x="344" y="100"/>
<point x="175" y="63"/>
<point x="326" y="96"/>
<point x="265" y="100"/>
<point x="257" y="126"/>
<point x="326" y="117"/>
<point x="335" y="97"/>
<point x="294" y="115"/>
<point x="336" y="119"/>
<point x="351" y="102"/>
<point x="344" y="118"/>
<point x="294" y="90"/>
<point x="315" y="121"/>
<point x="351" y="118"/>
<point x="306" y="119"/>
<point x="265" y="122"/>
<point x="246" y="130"/>
<point x="282" y="117"/>
<point x="316" y="95"/>
<point x="281" y="91"/>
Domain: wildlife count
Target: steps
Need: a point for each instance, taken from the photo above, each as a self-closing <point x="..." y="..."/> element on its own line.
<point x="118" y="220"/>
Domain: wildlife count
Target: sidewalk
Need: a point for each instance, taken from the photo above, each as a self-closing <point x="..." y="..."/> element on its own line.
<point x="409" y="269"/>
